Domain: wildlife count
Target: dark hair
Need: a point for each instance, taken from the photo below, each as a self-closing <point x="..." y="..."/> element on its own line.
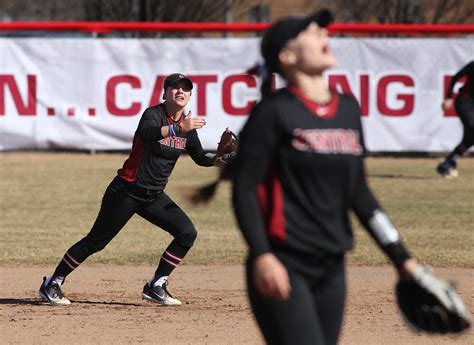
<point x="267" y="87"/>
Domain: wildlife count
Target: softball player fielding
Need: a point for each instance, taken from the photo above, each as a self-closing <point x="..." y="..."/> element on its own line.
<point x="464" y="105"/>
<point x="298" y="172"/>
<point x="163" y="134"/>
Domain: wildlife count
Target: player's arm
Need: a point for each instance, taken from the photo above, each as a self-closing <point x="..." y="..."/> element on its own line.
<point x="198" y="154"/>
<point x="376" y="221"/>
<point x="426" y="302"/>
<point x="462" y="72"/>
<point x="150" y="130"/>
<point x="257" y="145"/>
<point x="257" y="142"/>
<point x="372" y="216"/>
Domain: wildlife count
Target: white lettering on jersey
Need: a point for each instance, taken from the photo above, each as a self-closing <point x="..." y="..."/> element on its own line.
<point x="327" y="141"/>
<point x="176" y="142"/>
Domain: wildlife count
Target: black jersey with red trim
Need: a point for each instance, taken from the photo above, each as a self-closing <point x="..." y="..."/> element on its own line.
<point x="468" y="87"/>
<point x="153" y="157"/>
<point x="299" y="171"/>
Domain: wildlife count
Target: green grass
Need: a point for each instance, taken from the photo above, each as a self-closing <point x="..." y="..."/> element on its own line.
<point x="48" y="201"/>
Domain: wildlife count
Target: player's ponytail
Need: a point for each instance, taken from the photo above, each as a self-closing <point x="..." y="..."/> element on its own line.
<point x="261" y="71"/>
<point x="206" y="193"/>
<point x="266" y="87"/>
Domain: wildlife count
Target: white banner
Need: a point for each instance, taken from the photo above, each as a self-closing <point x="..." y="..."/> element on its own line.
<point x="90" y="93"/>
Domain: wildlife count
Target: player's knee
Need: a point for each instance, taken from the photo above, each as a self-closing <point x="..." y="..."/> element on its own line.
<point x="92" y="247"/>
<point x="83" y="249"/>
<point x="97" y="247"/>
<point x="188" y="237"/>
<point x="468" y="139"/>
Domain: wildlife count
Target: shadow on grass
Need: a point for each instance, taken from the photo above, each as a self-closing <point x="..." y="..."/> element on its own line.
<point x="36" y="301"/>
<point x="401" y="176"/>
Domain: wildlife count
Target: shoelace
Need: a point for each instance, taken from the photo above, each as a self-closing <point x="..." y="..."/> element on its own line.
<point x="165" y="284"/>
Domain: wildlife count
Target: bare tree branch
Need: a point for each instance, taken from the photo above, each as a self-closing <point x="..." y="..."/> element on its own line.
<point x="382" y="11"/>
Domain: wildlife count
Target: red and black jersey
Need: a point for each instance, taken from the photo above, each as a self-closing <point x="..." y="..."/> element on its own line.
<point x="153" y="157"/>
<point x="299" y="171"/>
<point x="468" y="87"/>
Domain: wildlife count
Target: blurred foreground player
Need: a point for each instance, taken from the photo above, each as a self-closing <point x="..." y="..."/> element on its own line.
<point x="464" y="105"/>
<point x="299" y="171"/>
<point x="163" y="134"/>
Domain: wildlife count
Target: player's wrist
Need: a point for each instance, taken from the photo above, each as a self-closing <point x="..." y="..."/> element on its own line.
<point x="408" y="267"/>
<point x="264" y="259"/>
<point x="174" y="129"/>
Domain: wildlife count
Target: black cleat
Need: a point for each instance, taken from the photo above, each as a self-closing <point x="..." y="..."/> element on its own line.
<point x="447" y="169"/>
<point x="159" y="294"/>
<point x="52" y="293"/>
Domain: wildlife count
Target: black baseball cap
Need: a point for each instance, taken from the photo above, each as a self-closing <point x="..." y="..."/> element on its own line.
<point x="176" y="77"/>
<point x="284" y="30"/>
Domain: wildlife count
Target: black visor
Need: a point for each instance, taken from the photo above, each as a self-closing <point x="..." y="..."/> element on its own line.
<point x="285" y="30"/>
<point x="177" y="77"/>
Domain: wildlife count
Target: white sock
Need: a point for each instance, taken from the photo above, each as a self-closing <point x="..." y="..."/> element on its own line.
<point x="159" y="282"/>
<point x="59" y="280"/>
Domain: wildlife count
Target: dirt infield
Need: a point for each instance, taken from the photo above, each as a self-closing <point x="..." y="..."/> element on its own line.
<point x="107" y="307"/>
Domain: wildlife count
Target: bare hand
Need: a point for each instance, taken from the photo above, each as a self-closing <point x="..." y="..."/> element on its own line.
<point x="190" y="122"/>
<point x="271" y="277"/>
<point x="408" y="268"/>
<point x="448" y="104"/>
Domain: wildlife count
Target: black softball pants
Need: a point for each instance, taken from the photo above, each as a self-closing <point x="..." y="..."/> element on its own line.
<point x="464" y="105"/>
<point x="314" y="311"/>
<point x="119" y="204"/>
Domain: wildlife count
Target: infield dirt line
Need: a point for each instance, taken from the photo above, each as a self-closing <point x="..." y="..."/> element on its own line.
<point x="107" y="307"/>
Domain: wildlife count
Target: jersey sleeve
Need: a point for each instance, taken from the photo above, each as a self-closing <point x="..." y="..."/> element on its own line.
<point x="149" y="128"/>
<point x="373" y="217"/>
<point x="198" y="154"/>
<point x="462" y="72"/>
<point x="257" y="145"/>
